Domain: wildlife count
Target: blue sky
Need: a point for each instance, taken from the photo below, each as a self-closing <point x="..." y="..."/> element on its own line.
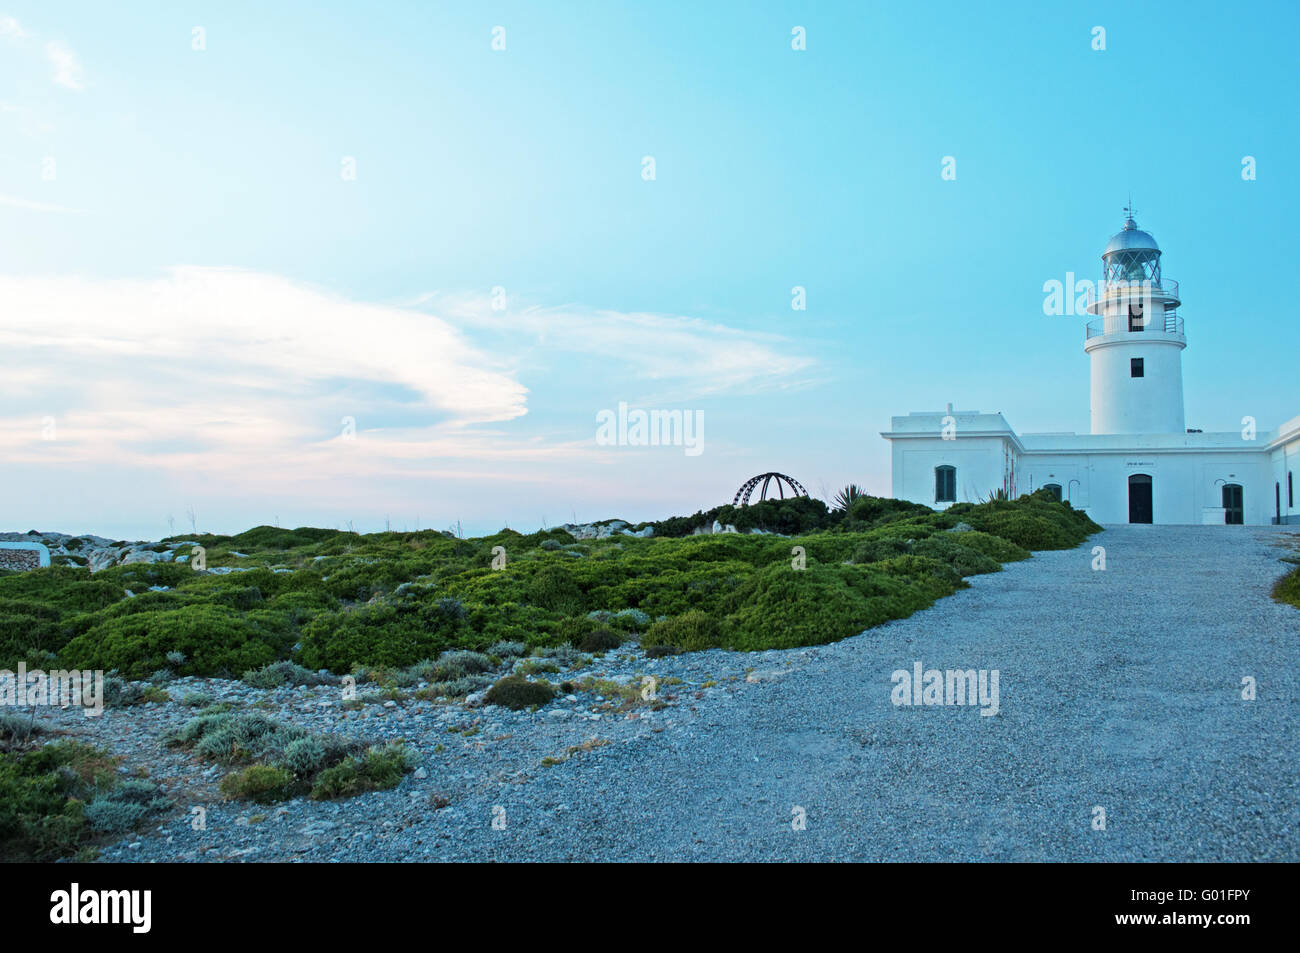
<point x="196" y="298"/>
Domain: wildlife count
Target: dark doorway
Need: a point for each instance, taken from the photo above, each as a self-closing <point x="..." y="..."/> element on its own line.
<point x="1139" y="498"/>
<point x="1233" y="511"/>
<point x="1054" y="489"/>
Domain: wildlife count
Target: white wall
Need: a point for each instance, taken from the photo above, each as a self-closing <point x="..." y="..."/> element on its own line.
<point x="980" y="463"/>
<point x="1183" y="483"/>
<point x="1122" y="403"/>
<point x="1284" y="460"/>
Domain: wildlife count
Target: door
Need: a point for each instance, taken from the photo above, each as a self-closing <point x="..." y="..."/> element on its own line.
<point x="1139" y="498"/>
<point x="1233" y="510"/>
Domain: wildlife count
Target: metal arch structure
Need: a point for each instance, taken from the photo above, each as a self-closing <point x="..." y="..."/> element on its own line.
<point x="765" y="480"/>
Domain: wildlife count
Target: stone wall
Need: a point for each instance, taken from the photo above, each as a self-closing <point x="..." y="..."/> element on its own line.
<point x="23" y="556"/>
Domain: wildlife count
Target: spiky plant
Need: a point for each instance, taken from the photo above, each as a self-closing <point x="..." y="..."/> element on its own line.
<point x="848" y="496"/>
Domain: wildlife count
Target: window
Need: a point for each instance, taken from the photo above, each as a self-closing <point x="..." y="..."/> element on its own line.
<point x="945" y="484"/>
<point x="1136" y="317"/>
<point x="1136" y="367"/>
<point x="1054" y="489"/>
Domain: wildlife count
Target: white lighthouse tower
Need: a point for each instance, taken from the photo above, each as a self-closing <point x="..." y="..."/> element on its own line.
<point x="1137" y="341"/>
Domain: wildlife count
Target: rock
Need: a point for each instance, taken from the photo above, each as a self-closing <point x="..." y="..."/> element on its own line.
<point x="140" y="556"/>
<point x="475" y="699"/>
<point x="420" y="774"/>
<point x="101" y="559"/>
<point x="558" y="714"/>
<point x="962" y="528"/>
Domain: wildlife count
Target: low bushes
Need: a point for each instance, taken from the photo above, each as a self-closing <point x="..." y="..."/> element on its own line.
<point x="381" y="634"/>
<point x="278" y="761"/>
<point x="378" y="769"/>
<point x="1287" y="588"/>
<point x="689" y="632"/>
<point x="263" y="783"/>
<point x="56" y="799"/>
<point x="780" y="608"/>
<point x="314" y="600"/>
<point x="284" y="675"/>
<point x="517" y="692"/>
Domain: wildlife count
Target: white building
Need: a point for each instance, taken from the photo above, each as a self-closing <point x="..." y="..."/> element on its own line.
<point x="1139" y="464"/>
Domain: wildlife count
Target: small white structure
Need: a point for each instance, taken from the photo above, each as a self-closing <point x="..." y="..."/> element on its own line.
<point x="23" y="556"/>
<point x="1139" y="464"/>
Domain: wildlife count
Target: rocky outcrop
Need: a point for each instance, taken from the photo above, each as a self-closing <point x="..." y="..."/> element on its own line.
<point x="605" y="530"/>
<point x="96" y="552"/>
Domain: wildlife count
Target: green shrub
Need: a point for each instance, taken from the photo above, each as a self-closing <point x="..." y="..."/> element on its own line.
<point x="458" y="664"/>
<point x="44" y="793"/>
<point x="262" y="783"/>
<point x="392" y="635"/>
<point x="380" y="768"/>
<point x="215" y="638"/>
<point x="392" y="602"/>
<point x="119" y="693"/>
<point x="303" y="756"/>
<point x="230" y="738"/>
<point x="17" y="729"/>
<point x="590" y="633"/>
<point x="1287" y="589"/>
<point x="125" y="807"/>
<point x="554" y="588"/>
<point x="691" y="631"/>
<point x="965" y="560"/>
<point x="456" y="688"/>
<point x="517" y="692"/>
<point x="631" y="620"/>
<point x="874" y="550"/>
<point x="782" y="608"/>
<point x="601" y="640"/>
<point x="995" y="547"/>
<point x="283" y="675"/>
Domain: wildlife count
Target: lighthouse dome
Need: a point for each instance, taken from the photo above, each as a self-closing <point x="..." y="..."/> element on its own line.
<point x="1131" y="238"/>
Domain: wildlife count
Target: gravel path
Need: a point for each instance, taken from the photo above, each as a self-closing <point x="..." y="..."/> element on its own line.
<point x="1119" y="689"/>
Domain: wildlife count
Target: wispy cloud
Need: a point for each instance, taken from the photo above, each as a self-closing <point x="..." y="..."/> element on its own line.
<point x="11" y="201"/>
<point x="268" y="388"/>
<point x="12" y="28"/>
<point x="67" y="68"/>
<point x="681" y="356"/>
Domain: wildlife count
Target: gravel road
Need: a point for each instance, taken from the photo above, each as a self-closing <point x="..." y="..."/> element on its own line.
<point x="1118" y="689"/>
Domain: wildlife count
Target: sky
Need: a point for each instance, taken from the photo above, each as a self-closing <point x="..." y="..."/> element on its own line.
<point x="385" y="265"/>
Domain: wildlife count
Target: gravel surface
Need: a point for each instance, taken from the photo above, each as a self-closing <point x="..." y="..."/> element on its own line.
<point x="1119" y="689"/>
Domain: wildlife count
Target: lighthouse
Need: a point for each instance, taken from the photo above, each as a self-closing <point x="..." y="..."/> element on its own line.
<point x="1135" y="344"/>
<point x="1139" y="463"/>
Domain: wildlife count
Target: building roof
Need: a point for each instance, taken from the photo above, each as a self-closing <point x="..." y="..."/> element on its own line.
<point x="1130" y="238"/>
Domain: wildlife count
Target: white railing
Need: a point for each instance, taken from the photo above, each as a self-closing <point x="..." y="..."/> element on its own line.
<point x="1119" y="324"/>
